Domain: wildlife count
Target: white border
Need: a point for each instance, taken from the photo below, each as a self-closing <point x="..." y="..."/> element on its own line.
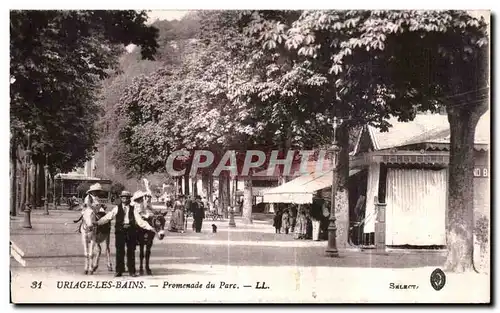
<point x="183" y="5"/>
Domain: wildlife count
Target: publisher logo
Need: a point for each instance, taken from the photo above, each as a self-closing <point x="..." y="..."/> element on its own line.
<point x="438" y="279"/>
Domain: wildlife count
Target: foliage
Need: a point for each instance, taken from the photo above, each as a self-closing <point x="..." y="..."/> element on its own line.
<point x="156" y="190"/>
<point x="116" y="189"/>
<point x="57" y="61"/>
<point x="82" y="188"/>
<point x="374" y="63"/>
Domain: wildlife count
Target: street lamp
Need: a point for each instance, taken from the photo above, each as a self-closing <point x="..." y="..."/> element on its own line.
<point x="29" y="203"/>
<point x="332" y="250"/>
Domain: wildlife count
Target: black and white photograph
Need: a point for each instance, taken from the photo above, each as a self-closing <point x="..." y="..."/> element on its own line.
<point x="249" y="156"/>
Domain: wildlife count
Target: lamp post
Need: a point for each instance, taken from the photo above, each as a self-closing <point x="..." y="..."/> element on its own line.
<point x="332" y="250"/>
<point x="29" y="197"/>
<point x="46" y="202"/>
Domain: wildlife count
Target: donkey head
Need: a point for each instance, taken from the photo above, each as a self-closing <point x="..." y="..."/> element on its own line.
<point x="158" y="223"/>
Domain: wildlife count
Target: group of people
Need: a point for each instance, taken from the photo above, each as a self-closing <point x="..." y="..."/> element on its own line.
<point x="304" y="221"/>
<point x="185" y="206"/>
<point x="129" y="214"/>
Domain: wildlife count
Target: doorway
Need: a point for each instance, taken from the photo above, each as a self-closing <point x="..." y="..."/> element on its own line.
<point x="357" y="185"/>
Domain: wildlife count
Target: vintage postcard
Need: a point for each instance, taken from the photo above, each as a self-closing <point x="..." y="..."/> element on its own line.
<point x="258" y="156"/>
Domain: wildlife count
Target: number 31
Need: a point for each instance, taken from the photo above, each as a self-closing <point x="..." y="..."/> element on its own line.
<point x="36" y="285"/>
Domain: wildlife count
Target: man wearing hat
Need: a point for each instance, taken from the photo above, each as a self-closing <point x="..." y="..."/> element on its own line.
<point x="127" y="219"/>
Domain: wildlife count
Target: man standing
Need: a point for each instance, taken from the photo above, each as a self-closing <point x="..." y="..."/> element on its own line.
<point x="198" y="214"/>
<point x="127" y="219"/>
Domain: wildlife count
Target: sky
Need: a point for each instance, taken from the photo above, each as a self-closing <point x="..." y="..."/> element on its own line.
<point x="166" y="15"/>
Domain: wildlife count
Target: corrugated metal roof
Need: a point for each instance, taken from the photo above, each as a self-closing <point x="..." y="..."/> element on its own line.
<point x="432" y="128"/>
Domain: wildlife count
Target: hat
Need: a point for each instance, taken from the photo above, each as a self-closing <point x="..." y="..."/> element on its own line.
<point x="125" y="194"/>
<point x="137" y="195"/>
<point x="95" y="187"/>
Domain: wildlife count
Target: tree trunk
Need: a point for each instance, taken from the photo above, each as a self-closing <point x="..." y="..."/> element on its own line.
<point x="342" y="193"/>
<point x="227" y="181"/>
<point x="13" y="177"/>
<point x="224" y="196"/>
<point x="460" y="224"/>
<point x="204" y="184"/>
<point x="179" y="185"/>
<point x="19" y="179"/>
<point x="195" y="186"/>
<point x="233" y="195"/>
<point x="32" y="185"/>
<point x="35" y="183"/>
<point x="186" y="184"/>
<point x="247" y="200"/>
<point x="219" y="194"/>
<point x="24" y="193"/>
<point x="40" y="184"/>
<point x="210" y="188"/>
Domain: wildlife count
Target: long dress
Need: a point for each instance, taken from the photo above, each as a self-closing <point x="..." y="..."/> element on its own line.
<point x="285" y="222"/>
<point x="177" y="219"/>
<point x="301" y="226"/>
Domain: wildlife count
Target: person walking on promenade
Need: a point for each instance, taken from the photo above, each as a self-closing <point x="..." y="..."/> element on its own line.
<point x="277" y="221"/>
<point x="177" y="219"/>
<point x="300" y="228"/>
<point x="293" y="218"/>
<point x="127" y="218"/>
<point x="198" y="214"/>
<point x="285" y="223"/>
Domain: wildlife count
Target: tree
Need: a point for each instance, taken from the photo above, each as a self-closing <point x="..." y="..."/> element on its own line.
<point x="220" y="99"/>
<point x="82" y="189"/>
<point x="57" y="61"/>
<point x="375" y="63"/>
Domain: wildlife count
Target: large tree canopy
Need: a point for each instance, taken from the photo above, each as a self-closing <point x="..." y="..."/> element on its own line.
<point x="57" y="61"/>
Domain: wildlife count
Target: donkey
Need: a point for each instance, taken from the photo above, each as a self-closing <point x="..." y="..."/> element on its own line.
<point x="92" y="237"/>
<point x="145" y="238"/>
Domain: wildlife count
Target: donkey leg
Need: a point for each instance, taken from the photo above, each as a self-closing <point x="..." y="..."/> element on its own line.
<point x="108" y="255"/>
<point x="141" y="257"/>
<point x="97" y="256"/>
<point x="85" y="253"/>
<point x="91" y="256"/>
<point x="148" y="255"/>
